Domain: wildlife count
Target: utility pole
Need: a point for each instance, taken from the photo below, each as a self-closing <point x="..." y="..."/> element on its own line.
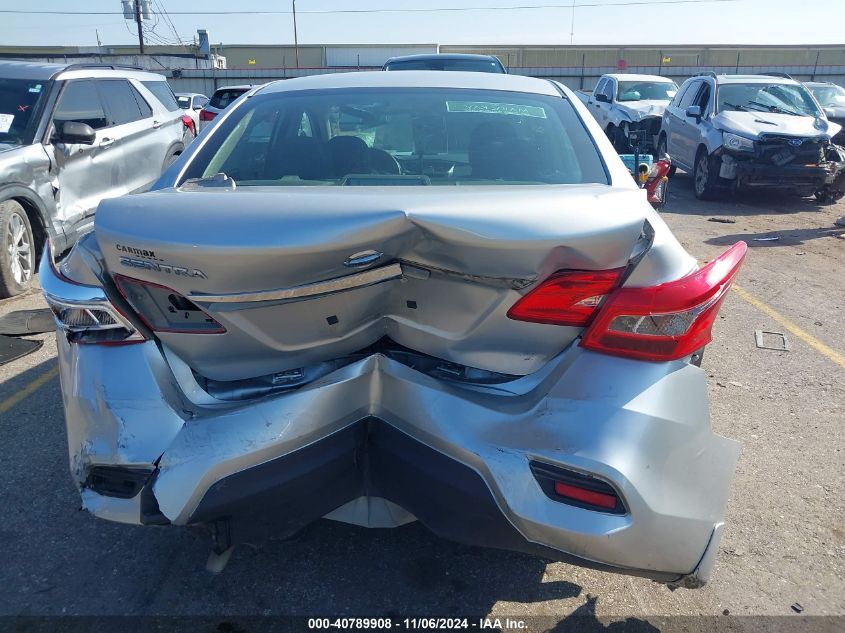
<point x="140" y="28"/>
<point x="295" y="39"/>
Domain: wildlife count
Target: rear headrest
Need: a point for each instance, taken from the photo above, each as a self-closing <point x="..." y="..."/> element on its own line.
<point x="300" y="156"/>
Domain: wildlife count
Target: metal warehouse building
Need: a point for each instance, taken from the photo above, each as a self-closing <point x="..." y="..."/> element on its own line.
<point x="577" y="66"/>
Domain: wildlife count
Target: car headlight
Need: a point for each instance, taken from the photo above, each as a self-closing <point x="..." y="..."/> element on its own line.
<point x="737" y="143"/>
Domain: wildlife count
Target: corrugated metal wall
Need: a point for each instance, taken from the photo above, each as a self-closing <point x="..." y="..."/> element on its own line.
<point x="371" y="56"/>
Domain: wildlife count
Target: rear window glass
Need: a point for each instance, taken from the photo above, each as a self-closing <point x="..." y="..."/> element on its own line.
<point x="123" y="102"/>
<point x="163" y="93"/>
<point x="184" y="102"/>
<point x="401" y="136"/>
<point x="223" y="98"/>
<point x="460" y="65"/>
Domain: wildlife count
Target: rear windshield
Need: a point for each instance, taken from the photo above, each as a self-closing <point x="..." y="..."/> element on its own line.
<point x="19" y="101"/>
<point x="184" y="102"/>
<point x="223" y="98"/>
<point x="461" y="65"/>
<point x="163" y="93"/>
<point x="408" y="136"/>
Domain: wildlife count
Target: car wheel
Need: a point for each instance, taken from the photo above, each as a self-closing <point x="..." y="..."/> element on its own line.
<point x="661" y="152"/>
<point x="17" y="259"/>
<point x="620" y="140"/>
<point x="704" y="176"/>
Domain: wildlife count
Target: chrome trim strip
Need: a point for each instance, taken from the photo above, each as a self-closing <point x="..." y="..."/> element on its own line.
<point x="70" y="294"/>
<point x="338" y="284"/>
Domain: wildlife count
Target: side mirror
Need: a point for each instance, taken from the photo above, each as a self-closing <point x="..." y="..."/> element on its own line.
<point x="198" y="108"/>
<point x="694" y="112"/>
<point x="603" y="98"/>
<point x="72" y="132"/>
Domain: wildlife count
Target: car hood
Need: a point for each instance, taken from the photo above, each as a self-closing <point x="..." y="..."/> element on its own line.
<point x="639" y="109"/>
<point x="755" y="124"/>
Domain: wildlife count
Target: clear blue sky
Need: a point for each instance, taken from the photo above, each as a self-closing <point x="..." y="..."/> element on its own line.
<point x="731" y="22"/>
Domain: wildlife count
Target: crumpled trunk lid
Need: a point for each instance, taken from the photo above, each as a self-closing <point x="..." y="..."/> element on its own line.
<point x="437" y="268"/>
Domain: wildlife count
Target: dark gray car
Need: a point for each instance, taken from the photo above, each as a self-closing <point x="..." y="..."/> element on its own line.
<point x="70" y="136"/>
<point x="439" y="61"/>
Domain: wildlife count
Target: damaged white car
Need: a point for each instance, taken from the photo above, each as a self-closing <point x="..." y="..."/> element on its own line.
<point x="387" y="297"/>
<point x="622" y="103"/>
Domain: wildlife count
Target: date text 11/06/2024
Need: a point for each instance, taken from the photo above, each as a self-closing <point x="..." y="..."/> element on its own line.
<point x="484" y="623"/>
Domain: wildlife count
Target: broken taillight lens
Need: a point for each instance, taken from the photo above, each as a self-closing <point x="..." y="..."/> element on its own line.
<point x="162" y="309"/>
<point x="667" y="321"/>
<point x="92" y="323"/>
<point x="566" y="298"/>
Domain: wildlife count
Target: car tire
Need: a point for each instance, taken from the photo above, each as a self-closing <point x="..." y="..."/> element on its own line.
<point x="620" y="140"/>
<point x="704" y="176"/>
<point x="17" y="256"/>
<point x="661" y="152"/>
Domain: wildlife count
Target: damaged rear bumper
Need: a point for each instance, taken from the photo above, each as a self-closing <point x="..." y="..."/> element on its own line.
<point x="379" y="437"/>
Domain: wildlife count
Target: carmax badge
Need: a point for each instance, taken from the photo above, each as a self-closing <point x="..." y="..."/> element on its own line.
<point x="170" y="269"/>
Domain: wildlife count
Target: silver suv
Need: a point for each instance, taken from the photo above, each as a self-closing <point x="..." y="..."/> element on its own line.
<point x="70" y="136"/>
<point x="743" y="131"/>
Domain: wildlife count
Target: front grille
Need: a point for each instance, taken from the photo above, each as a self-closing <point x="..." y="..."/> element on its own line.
<point x="783" y="150"/>
<point x="650" y="125"/>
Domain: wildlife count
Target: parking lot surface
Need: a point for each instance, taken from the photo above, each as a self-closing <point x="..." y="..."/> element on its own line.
<point x="784" y="543"/>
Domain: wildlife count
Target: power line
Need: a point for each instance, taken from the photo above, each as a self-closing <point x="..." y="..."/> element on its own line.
<point x="623" y="3"/>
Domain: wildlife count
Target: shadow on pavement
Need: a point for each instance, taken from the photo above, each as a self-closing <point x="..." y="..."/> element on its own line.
<point x="745" y="202"/>
<point x="584" y="620"/>
<point x="788" y="237"/>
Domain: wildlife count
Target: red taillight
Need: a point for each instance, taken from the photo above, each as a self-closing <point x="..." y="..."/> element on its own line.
<point x="162" y="309"/>
<point x="566" y="298"/>
<point x="590" y="497"/>
<point x="188" y="122"/>
<point x="668" y="321"/>
<point x="205" y="115"/>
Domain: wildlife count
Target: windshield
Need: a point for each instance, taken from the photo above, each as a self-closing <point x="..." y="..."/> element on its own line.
<point x="642" y="90"/>
<point x="830" y="96"/>
<point x="465" y="65"/>
<point x="410" y="136"/>
<point x="184" y="102"/>
<point x="224" y="97"/>
<point x="778" y="98"/>
<point x="19" y="99"/>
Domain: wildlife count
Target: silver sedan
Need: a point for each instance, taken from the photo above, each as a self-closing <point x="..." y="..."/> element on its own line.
<point x="388" y="297"/>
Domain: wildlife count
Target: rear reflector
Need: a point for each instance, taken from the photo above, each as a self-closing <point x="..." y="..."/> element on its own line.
<point x="577" y="489"/>
<point x="566" y="298"/>
<point x="668" y="321"/>
<point x="600" y="499"/>
<point x="165" y="310"/>
<point x="205" y="115"/>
